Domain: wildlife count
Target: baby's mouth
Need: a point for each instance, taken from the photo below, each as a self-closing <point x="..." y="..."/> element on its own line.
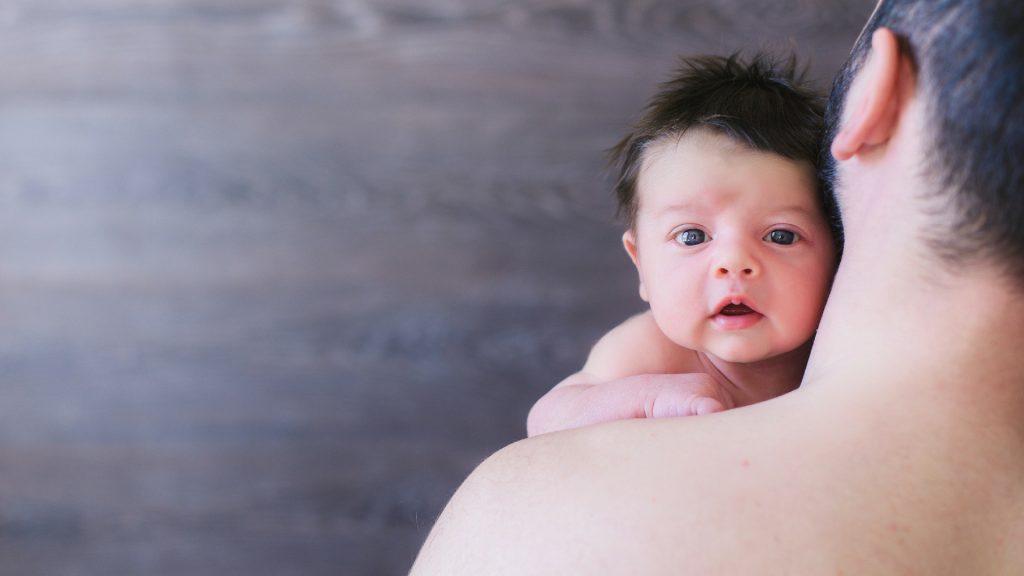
<point x="736" y="310"/>
<point x="735" y="314"/>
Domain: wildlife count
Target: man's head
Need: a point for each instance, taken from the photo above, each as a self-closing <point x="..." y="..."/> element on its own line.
<point x="967" y="58"/>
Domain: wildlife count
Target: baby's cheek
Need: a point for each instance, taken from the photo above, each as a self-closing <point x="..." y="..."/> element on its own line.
<point x="675" y="322"/>
<point x="806" y="315"/>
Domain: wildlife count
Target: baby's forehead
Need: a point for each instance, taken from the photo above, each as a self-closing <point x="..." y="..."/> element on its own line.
<point x="707" y="167"/>
<point x="701" y="144"/>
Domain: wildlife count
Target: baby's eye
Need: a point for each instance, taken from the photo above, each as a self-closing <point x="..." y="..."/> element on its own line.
<point x="785" y="237"/>
<point x="691" y="237"/>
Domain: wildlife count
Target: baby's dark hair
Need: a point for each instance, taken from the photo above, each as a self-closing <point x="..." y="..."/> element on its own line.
<point x="763" y="103"/>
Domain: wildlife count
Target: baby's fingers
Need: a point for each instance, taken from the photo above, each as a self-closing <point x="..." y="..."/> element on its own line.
<point x="704" y="405"/>
<point x="673" y="405"/>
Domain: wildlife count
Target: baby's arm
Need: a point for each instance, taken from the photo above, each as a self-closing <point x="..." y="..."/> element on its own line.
<point x="634" y="371"/>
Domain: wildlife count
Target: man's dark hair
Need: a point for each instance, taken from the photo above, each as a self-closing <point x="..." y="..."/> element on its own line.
<point x="968" y="55"/>
<point x="762" y="103"/>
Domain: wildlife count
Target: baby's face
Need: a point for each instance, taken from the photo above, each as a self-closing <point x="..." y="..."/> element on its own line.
<point x="733" y="251"/>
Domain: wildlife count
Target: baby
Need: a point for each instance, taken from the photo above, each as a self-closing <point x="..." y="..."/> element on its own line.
<point x="729" y="234"/>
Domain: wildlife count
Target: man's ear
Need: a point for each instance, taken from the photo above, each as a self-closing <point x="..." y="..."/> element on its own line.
<point x="873" y="104"/>
<point x="629" y="243"/>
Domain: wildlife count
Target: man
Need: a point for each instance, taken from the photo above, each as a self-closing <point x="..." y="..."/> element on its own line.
<point x="903" y="450"/>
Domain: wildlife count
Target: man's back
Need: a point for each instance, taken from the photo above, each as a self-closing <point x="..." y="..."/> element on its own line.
<point x="744" y="492"/>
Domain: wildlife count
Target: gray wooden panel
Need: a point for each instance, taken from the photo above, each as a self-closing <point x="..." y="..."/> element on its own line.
<point x="274" y="276"/>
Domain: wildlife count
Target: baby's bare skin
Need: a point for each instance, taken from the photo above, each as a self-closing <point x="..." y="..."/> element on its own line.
<point x="732" y="313"/>
<point x="634" y="371"/>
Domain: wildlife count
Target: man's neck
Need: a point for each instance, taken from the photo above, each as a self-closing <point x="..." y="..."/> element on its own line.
<point x="941" y="347"/>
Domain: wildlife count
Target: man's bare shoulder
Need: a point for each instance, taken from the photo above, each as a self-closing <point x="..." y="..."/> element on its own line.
<point x="745" y="491"/>
<point x="636" y="497"/>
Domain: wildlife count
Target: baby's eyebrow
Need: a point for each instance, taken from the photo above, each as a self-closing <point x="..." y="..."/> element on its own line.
<point x="682" y="207"/>
<point x="795" y="209"/>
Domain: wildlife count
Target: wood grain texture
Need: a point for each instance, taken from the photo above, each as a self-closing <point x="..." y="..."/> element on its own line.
<point x="275" y="276"/>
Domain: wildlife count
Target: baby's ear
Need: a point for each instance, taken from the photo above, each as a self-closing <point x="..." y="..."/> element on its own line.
<point x="629" y="243"/>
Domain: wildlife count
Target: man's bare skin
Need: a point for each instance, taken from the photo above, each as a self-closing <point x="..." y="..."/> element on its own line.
<point x="750" y="492"/>
<point x="901" y="453"/>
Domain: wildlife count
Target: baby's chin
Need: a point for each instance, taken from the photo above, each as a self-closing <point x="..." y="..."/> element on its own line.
<point x="738" y="355"/>
<point x="734" y="348"/>
<point x="745" y="352"/>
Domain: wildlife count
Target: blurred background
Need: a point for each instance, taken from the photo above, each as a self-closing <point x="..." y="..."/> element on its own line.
<point x="276" y="275"/>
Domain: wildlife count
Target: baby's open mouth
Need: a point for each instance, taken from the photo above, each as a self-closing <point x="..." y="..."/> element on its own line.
<point x="735" y="314"/>
<point x="736" y="310"/>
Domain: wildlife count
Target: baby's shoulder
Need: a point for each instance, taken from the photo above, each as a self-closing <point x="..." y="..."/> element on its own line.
<point x="641" y="326"/>
<point x="638" y="346"/>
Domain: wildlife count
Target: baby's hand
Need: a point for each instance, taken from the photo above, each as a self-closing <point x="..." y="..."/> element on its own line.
<point x="580" y="401"/>
<point x="670" y="395"/>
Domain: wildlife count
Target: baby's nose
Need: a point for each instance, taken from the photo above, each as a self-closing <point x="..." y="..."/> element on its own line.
<point x="742" y="272"/>
<point x="737" y="263"/>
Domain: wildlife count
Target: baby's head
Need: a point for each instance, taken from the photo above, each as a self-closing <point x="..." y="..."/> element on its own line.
<point x="726" y="223"/>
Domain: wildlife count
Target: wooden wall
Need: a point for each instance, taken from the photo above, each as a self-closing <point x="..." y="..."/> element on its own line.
<point x="276" y="275"/>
